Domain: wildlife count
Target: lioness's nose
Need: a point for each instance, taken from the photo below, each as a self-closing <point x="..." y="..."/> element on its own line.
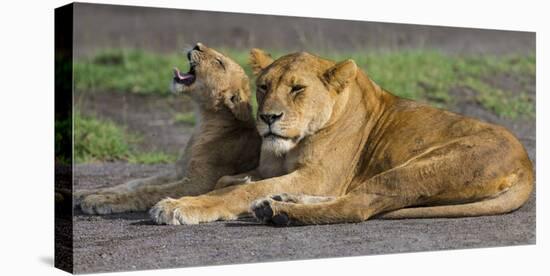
<point x="270" y="118"/>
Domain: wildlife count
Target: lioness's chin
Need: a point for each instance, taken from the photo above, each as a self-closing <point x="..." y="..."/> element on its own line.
<point x="278" y="146"/>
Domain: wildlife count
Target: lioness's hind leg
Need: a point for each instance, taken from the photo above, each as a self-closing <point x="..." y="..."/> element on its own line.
<point x="507" y="201"/>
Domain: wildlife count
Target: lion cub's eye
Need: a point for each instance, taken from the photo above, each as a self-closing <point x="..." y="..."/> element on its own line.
<point x="220" y="62"/>
<point x="297" y="89"/>
<point x="262" y="88"/>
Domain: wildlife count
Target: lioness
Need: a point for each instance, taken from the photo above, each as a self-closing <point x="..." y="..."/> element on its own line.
<point x="223" y="142"/>
<point x="349" y="150"/>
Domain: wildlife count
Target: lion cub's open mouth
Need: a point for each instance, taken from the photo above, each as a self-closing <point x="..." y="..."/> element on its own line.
<point x="186" y="78"/>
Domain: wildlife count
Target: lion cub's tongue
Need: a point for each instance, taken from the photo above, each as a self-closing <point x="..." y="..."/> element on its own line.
<point x="186" y="79"/>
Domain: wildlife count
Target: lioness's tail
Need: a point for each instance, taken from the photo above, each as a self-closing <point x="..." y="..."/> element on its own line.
<point x="506" y="202"/>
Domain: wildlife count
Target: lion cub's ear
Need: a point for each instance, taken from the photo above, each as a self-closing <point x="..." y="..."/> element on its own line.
<point x="240" y="108"/>
<point x="339" y="75"/>
<point x="238" y="101"/>
<point x="259" y="60"/>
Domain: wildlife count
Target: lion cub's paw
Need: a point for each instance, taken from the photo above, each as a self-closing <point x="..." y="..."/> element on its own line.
<point x="226" y="181"/>
<point x="102" y="204"/>
<point x="266" y="211"/>
<point x="79" y="195"/>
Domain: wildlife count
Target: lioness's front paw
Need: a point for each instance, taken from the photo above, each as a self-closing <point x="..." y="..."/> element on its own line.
<point x="167" y="211"/>
<point x="189" y="210"/>
<point x="265" y="211"/>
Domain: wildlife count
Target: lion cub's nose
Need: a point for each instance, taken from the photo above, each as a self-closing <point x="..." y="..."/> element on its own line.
<point x="270" y="118"/>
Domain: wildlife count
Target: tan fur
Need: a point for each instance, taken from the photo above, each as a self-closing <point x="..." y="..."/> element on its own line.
<point x="224" y="141"/>
<point x="353" y="151"/>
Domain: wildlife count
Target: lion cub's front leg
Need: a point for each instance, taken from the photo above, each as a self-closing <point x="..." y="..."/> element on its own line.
<point x="243" y="178"/>
<point x="230" y="180"/>
<point x="121" y="200"/>
<point x="109" y="202"/>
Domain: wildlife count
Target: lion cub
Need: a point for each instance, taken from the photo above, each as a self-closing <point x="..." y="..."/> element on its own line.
<point x="224" y="141"/>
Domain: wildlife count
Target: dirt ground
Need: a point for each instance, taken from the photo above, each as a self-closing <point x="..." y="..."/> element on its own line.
<point x="131" y="242"/>
<point x="151" y="117"/>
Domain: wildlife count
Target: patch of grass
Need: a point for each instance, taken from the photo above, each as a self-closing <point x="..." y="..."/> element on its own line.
<point x="123" y="70"/>
<point x="185" y="118"/>
<point x="430" y="75"/>
<point x="96" y="140"/>
<point x="474" y="72"/>
<point x="424" y="75"/>
<point x="501" y="102"/>
<point x="419" y="75"/>
<point x="100" y="141"/>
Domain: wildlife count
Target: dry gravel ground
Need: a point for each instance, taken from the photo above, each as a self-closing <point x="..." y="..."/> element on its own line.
<point x="131" y="242"/>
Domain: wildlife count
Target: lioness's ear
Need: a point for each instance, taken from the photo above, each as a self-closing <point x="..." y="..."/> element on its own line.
<point x="259" y="60"/>
<point x="341" y="74"/>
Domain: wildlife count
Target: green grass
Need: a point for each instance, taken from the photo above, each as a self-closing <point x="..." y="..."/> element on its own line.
<point x="500" y="101"/>
<point x="423" y="75"/>
<point x="429" y="76"/>
<point x="100" y="141"/>
<point x="121" y="70"/>
<point x="151" y="158"/>
<point x="185" y="118"/>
